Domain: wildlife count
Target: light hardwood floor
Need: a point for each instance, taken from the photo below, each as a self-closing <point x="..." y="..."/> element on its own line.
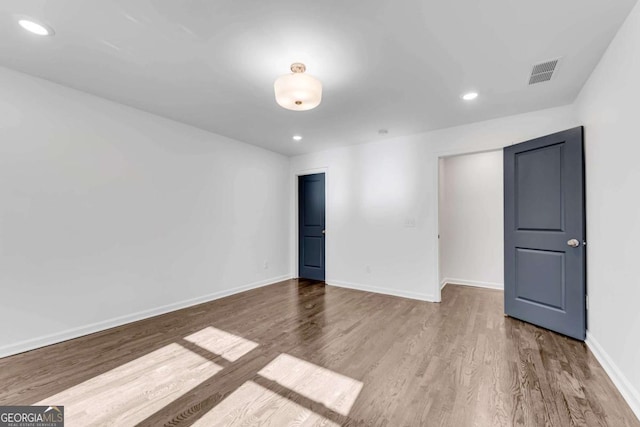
<point x="300" y="353"/>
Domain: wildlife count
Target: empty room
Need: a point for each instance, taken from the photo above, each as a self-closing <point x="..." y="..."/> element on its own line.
<point x="331" y="213"/>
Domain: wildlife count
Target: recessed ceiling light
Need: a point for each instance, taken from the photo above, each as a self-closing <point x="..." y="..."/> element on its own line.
<point x="297" y="138"/>
<point x="35" y="27"/>
<point x="470" y="96"/>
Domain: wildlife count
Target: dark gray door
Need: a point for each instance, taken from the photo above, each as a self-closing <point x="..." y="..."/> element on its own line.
<point x="311" y="221"/>
<point x="545" y="232"/>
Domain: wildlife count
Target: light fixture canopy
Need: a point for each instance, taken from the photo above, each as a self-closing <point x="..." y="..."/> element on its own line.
<point x="35" y="27"/>
<point x="298" y="91"/>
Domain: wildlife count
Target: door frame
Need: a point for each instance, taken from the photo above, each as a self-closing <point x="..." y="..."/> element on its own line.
<point x="437" y="289"/>
<point x="295" y="231"/>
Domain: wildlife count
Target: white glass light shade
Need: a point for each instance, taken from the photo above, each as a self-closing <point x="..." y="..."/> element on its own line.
<point x="298" y="91"/>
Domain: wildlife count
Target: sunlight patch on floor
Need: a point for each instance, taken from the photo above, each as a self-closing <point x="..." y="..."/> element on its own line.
<point x="336" y="391"/>
<point x="252" y="404"/>
<point x="229" y="346"/>
<point x="128" y="394"/>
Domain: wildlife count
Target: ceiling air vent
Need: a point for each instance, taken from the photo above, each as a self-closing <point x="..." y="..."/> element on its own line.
<point x="543" y="72"/>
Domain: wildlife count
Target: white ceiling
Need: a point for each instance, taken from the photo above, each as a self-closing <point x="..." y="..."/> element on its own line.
<point x="399" y="65"/>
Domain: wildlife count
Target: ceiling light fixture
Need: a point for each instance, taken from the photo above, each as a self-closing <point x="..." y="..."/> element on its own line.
<point x="298" y="91"/>
<point x="297" y="138"/>
<point x="470" y="96"/>
<point x="35" y="27"/>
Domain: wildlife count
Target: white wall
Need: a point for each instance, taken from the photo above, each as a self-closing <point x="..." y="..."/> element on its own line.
<point x="377" y="192"/>
<point x="108" y="214"/>
<point x="608" y="106"/>
<point x="471" y="220"/>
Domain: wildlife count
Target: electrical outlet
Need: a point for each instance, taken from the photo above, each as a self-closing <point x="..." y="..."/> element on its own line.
<point x="266" y="265"/>
<point x="368" y="269"/>
<point x="410" y="222"/>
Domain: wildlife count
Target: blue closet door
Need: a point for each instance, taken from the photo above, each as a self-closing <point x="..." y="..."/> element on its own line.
<point x="545" y="253"/>
<point x="311" y="221"/>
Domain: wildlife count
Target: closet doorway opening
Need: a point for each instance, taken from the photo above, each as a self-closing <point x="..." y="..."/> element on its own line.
<point x="471" y="220"/>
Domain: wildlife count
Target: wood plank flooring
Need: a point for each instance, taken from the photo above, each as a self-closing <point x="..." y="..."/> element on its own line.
<point x="305" y="354"/>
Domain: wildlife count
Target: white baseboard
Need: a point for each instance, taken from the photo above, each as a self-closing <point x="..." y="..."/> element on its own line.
<point x="475" y="283"/>
<point x="58" y="337"/>
<point x="386" y="291"/>
<point x="627" y="390"/>
<point x="443" y="284"/>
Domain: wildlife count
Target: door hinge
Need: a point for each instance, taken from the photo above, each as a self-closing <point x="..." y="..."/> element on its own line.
<point x="587" y="301"/>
